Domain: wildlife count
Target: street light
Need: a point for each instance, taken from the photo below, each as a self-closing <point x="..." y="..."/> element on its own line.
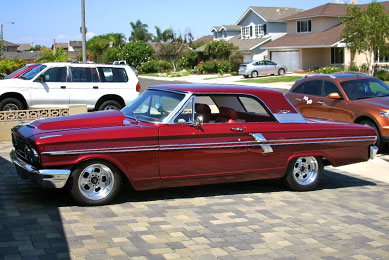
<point x="1" y="32"/>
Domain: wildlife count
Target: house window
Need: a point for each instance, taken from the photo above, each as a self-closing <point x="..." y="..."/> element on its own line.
<point x="246" y="31"/>
<point x="337" y="55"/>
<point x="304" y="26"/>
<point x="259" y="30"/>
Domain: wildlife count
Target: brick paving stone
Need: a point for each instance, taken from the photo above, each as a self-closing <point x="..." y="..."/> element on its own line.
<point x="346" y="218"/>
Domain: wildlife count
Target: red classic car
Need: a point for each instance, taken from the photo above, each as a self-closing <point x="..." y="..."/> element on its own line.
<point x="178" y="135"/>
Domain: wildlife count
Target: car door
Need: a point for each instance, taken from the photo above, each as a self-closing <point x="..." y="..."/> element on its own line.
<point x="49" y="89"/>
<point x="335" y="109"/>
<point x="201" y="153"/>
<point x="271" y="67"/>
<point x="261" y="68"/>
<point x="305" y="97"/>
<point x="84" y="86"/>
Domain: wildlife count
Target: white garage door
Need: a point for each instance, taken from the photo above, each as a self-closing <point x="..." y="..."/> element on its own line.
<point x="288" y="58"/>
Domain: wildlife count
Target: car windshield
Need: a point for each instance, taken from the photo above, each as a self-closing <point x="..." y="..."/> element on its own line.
<point x="16" y="72"/>
<point x="365" y="88"/>
<point x="153" y="105"/>
<point x="32" y="73"/>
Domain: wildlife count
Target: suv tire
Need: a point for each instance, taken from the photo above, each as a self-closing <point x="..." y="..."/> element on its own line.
<point x="11" y="104"/>
<point x="110" y="105"/>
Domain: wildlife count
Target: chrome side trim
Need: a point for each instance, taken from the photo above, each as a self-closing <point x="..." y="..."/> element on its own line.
<point x="45" y="178"/>
<point x="373" y="151"/>
<point x="48" y="136"/>
<point x="260" y="140"/>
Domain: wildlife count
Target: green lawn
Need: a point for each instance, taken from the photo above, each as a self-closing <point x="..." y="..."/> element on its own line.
<point x="272" y="79"/>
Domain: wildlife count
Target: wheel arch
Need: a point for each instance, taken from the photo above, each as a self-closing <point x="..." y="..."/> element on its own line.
<point x="107" y="97"/>
<point x="359" y="119"/>
<point x="15" y="95"/>
<point x="323" y="157"/>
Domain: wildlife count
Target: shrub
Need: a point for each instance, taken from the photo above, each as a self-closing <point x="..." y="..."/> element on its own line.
<point x="136" y="53"/>
<point x="353" y="67"/>
<point x="164" y="65"/>
<point x="220" y="66"/>
<point x="236" y="59"/>
<point x="188" y="60"/>
<point x="382" y="75"/>
<point x="8" y="66"/>
<point x="329" y="69"/>
<point x="150" y="66"/>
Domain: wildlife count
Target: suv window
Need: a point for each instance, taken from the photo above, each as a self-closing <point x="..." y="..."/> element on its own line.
<point x="81" y="74"/>
<point x="310" y="88"/>
<point x="113" y="74"/>
<point x="57" y="74"/>
<point x="329" y="87"/>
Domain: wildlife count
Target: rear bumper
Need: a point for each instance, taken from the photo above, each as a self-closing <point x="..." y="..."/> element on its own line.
<point x="373" y="151"/>
<point x="45" y="178"/>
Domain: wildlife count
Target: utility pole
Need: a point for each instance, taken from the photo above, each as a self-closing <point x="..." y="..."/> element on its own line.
<point x="83" y="31"/>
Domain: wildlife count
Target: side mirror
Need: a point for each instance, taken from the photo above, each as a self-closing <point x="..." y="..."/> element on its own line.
<point x="40" y="78"/>
<point x="199" y="121"/>
<point x="334" y="95"/>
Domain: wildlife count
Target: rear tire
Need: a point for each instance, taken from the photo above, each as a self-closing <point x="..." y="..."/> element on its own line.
<point x="254" y="74"/>
<point x="379" y="143"/>
<point x="95" y="183"/>
<point x="304" y="173"/>
<point x="110" y="105"/>
<point x="281" y="72"/>
<point x="11" y="104"/>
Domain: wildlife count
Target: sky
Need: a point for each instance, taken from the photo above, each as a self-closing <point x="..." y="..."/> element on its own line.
<point x="41" y="21"/>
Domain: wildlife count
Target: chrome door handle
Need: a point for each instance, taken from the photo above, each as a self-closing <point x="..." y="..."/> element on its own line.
<point x="320" y="102"/>
<point x="298" y="99"/>
<point x="236" y="129"/>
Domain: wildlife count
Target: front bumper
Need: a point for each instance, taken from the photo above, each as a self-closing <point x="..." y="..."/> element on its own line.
<point x="45" y="178"/>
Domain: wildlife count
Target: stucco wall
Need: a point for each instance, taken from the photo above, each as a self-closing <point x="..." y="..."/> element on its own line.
<point x="318" y="24"/>
<point x="315" y="57"/>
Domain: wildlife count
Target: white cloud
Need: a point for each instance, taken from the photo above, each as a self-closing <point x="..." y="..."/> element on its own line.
<point x="90" y="35"/>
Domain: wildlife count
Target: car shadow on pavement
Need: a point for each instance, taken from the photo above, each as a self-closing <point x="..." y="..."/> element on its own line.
<point x="30" y="222"/>
<point x="330" y="180"/>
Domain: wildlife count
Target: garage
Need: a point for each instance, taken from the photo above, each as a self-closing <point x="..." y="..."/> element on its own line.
<point x="288" y="58"/>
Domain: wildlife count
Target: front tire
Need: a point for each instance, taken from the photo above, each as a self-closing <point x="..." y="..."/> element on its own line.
<point x="110" y="105"/>
<point x="11" y="104"/>
<point x="304" y="173"/>
<point x="95" y="183"/>
<point x="379" y="143"/>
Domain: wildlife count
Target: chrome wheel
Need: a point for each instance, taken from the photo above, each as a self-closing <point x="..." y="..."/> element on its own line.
<point x="96" y="182"/>
<point x="254" y="74"/>
<point x="10" y="107"/>
<point x="111" y="107"/>
<point x="305" y="170"/>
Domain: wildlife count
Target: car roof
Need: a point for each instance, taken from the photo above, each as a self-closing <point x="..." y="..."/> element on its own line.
<point x="80" y="64"/>
<point x="274" y="99"/>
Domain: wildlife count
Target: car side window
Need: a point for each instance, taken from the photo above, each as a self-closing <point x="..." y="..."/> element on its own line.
<point x="113" y="74"/>
<point x="313" y="87"/>
<point x="329" y="87"/>
<point x="299" y="89"/>
<point x="82" y="74"/>
<point x="57" y="74"/>
<point x="254" y="111"/>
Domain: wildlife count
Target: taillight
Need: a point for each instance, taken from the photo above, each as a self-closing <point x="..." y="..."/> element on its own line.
<point x="138" y="87"/>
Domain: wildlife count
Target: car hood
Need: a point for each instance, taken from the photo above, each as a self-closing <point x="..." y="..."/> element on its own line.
<point x="86" y="120"/>
<point x="377" y="102"/>
<point x="13" y="81"/>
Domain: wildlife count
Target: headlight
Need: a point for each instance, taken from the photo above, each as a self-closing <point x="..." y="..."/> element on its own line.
<point x="31" y="154"/>
<point x="384" y="113"/>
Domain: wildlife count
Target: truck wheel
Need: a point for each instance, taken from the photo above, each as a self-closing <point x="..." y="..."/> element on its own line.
<point x="11" y="104"/>
<point x="110" y="105"/>
<point x="304" y="173"/>
<point x="95" y="183"/>
<point x="379" y="142"/>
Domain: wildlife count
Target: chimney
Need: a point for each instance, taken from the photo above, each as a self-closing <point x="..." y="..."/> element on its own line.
<point x="32" y="44"/>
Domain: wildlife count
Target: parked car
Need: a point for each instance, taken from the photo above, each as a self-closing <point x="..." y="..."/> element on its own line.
<point x="20" y="72"/>
<point x="99" y="86"/>
<point x="180" y="135"/>
<point x="262" y="67"/>
<point x="347" y="97"/>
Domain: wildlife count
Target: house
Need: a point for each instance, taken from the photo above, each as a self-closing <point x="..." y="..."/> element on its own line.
<point x="9" y="47"/>
<point x="254" y="28"/>
<point x="313" y="40"/>
<point x="73" y="48"/>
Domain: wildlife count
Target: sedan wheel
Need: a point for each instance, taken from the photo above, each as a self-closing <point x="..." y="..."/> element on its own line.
<point x="281" y="72"/>
<point x="95" y="183"/>
<point x="254" y="74"/>
<point x="304" y="173"/>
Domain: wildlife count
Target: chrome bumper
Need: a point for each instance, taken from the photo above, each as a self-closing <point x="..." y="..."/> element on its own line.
<point x="373" y="152"/>
<point x="45" y="178"/>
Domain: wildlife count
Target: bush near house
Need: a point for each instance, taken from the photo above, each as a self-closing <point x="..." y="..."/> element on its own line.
<point x="382" y="75"/>
<point x="215" y="66"/>
<point x="153" y="66"/>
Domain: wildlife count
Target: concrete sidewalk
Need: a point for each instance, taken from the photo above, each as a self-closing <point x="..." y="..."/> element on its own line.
<point x="214" y="79"/>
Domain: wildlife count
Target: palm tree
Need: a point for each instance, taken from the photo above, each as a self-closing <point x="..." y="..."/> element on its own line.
<point x="165" y="36"/>
<point x="140" y="32"/>
<point x="118" y="39"/>
<point x="96" y="47"/>
<point x="57" y="56"/>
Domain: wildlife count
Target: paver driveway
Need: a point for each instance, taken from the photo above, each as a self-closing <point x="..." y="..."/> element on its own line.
<point x="347" y="218"/>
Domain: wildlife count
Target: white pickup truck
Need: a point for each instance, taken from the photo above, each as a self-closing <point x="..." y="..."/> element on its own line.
<point x="99" y="86"/>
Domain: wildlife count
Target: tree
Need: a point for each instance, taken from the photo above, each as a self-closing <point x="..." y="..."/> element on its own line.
<point x="366" y="30"/>
<point x="136" y="53"/>
<point x="118" y="40"/>
<point x="140" y="32"/>
<point x="219" y="49"/>
<point x="165" y="36"/>
<point x="36" y="48"/>
<point x="8" y="66"/>
<point x="59" y="55"/>
<point x="110" y="55"/>
<point x="96" y="47"/>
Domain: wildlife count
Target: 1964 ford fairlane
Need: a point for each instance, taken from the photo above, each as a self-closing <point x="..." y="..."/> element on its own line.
<point x="178" y="135"/>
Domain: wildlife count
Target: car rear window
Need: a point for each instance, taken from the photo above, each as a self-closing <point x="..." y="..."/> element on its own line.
<point x="108" y="74"/>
